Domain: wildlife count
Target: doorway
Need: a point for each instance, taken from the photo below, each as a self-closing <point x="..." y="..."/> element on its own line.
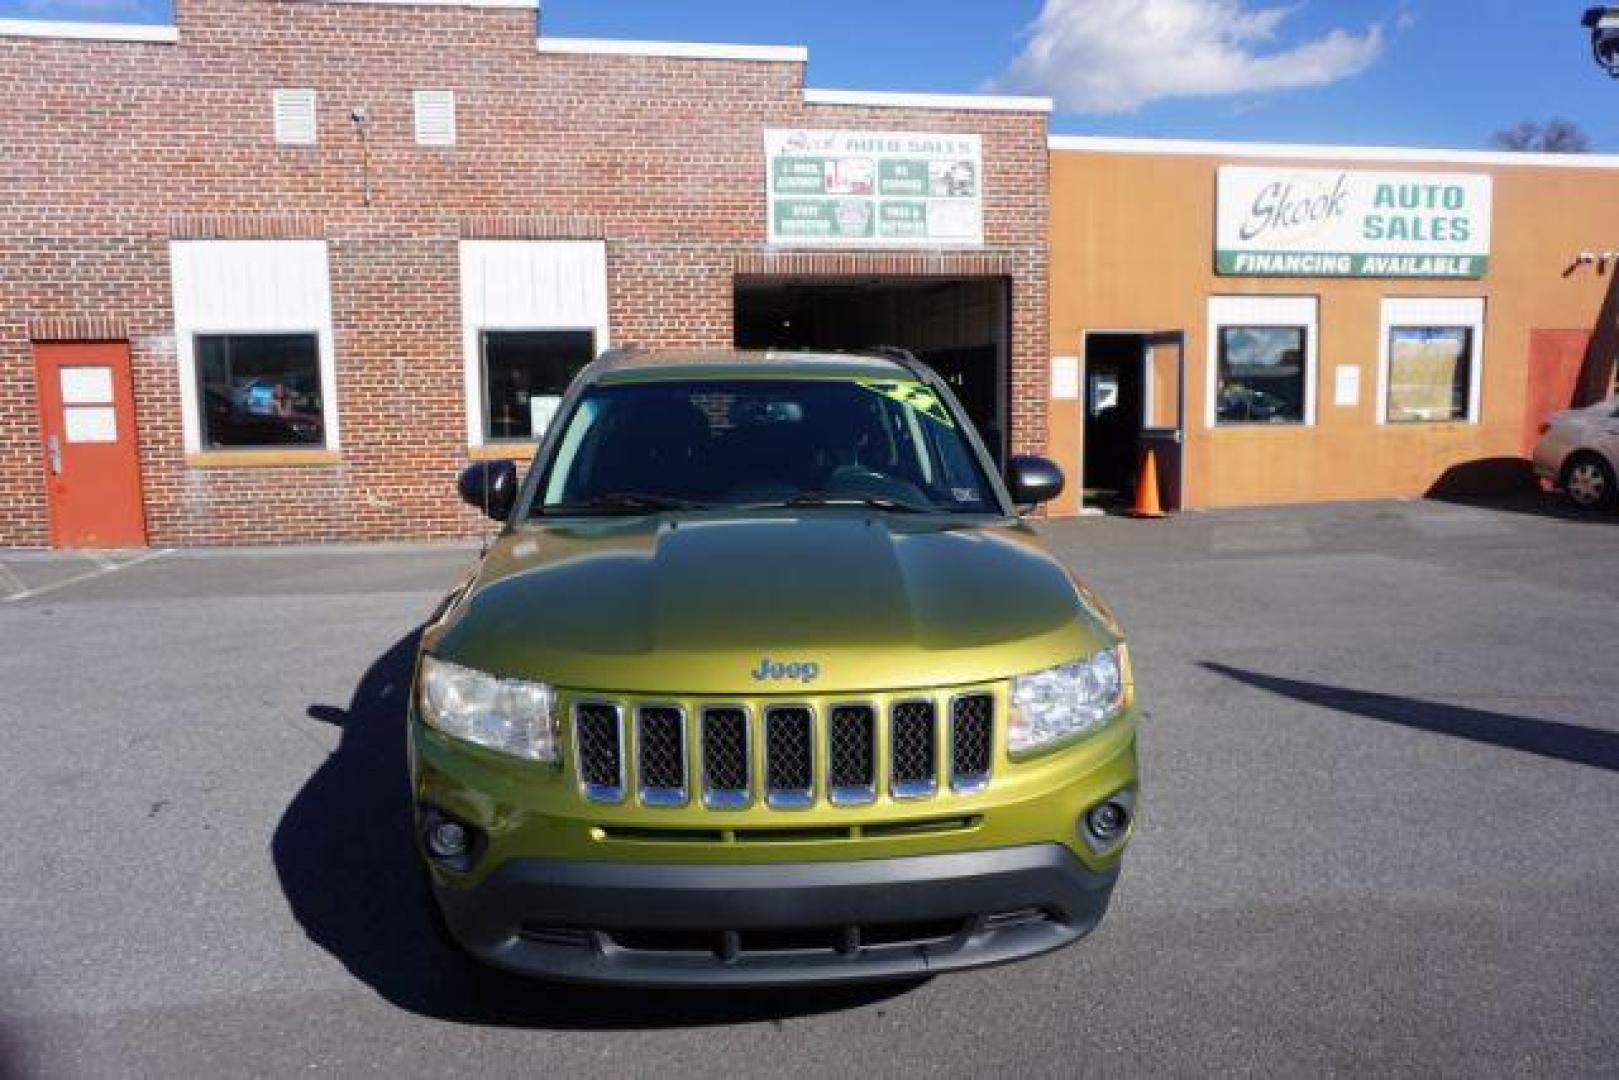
<point x="959" y="327"/>
<point x="87" y="425"/>
<point x="1134" y="402"/>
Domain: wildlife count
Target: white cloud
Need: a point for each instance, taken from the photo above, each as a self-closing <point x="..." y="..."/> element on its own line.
<point x="1112" y="56"/>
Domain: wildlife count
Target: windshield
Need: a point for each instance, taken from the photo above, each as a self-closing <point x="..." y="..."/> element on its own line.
<point x="889" y="443"/>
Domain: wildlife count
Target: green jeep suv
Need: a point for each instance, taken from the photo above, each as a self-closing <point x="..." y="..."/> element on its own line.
<point x="766" y="681"/>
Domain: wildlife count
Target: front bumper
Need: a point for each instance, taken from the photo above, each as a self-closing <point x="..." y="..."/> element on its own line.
<point x="665" y="924"/>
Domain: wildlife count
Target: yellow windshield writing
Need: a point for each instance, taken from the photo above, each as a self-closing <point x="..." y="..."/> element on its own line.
<point x="912" y="395"/>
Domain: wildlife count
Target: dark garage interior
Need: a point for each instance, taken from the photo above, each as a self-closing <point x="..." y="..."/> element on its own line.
<point x="959" y="327"/>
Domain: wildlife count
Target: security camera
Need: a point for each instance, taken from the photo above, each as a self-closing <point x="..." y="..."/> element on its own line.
<point x="1603" y="22"/>
<point x="359" y="115"/>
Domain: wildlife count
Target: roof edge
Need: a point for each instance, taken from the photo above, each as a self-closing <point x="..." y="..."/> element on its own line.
<point x="679" y="50"/>
<point x="1325" y="152"/>
<point x="520" y="5"/>
<point x="899" y="99"/>
<point x="153" y="33"/>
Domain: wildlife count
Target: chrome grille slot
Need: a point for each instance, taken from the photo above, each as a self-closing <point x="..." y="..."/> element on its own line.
<point x="726" y="769"/>
<point x="972" y="741"/>
<point x="851" y="753"/>
<point x="598" y="735"/>
<point x="913" y="757"/>
<point x="789" y="756"/>
<point x="660" y="755"/>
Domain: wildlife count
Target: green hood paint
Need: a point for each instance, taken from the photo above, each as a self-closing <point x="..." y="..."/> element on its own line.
<point x="692" y="602"/>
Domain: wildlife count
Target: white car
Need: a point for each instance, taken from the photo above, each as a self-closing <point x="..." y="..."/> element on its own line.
<point x="1579" y="452"/>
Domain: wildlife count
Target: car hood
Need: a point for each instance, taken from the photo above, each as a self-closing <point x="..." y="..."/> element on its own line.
<point x="695" y="604"/>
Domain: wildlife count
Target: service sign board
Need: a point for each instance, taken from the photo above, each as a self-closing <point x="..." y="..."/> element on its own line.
<point x="1352" y="223"/>
<point x="874" y="188"/>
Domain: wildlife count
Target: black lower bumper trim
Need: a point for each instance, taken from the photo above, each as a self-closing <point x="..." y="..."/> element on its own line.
<point x="781" y="924"/>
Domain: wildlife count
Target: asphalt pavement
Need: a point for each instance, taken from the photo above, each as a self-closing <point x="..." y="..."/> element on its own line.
<point x="1380" y="831"/>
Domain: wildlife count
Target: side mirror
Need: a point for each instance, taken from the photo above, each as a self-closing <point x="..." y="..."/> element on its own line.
<point x="490" y="487"/>
<point x="1033" y="480"/>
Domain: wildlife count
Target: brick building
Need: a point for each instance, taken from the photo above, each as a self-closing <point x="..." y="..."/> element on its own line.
<point x="276" y="271"/>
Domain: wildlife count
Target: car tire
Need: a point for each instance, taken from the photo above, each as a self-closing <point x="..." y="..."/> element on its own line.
<point x="1588" y="481"/>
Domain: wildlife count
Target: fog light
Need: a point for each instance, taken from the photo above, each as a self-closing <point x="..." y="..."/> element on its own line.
<point x="447" y="840"/>
<point x="1104" y="826"/>
<point x="1108" y="821"/>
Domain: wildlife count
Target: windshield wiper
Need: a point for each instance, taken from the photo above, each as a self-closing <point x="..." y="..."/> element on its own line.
<point x="823" y="498"/>
<point x="627" y="501"/>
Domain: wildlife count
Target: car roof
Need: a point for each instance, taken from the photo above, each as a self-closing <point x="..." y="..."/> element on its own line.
<point x="653" y="365"/>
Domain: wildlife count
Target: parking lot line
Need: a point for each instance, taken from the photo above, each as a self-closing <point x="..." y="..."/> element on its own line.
<point x="104" y="566"/>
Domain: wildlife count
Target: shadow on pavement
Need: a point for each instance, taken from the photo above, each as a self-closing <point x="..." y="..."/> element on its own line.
<point x="1548" y="738"/>
<point x="1509" y="484"/>
<point x="348" y="865"/>
<point x="1485" y="478"/>
<point x="1538" y="504"/>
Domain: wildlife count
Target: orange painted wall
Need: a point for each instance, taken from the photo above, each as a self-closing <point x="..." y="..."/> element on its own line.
<point x="1132" y="248"/>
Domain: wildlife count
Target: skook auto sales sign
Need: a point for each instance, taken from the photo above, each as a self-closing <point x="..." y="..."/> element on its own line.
<point x="1347" y="223"/>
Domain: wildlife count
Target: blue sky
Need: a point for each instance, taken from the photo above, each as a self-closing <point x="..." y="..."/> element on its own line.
<point x="1396" y="72"/>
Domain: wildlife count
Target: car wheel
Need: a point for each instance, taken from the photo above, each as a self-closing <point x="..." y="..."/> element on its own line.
<point x="1588" y="481"/>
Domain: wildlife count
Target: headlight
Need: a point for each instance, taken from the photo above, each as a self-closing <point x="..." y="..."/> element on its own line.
<point x="508" y="715"/>
<point x="1065" y="701"/>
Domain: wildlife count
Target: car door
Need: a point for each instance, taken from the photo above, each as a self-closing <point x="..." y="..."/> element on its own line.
<point x="1606" y="432"/>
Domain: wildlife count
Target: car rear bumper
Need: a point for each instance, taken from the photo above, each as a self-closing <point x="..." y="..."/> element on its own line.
<point x="780" y="924"/>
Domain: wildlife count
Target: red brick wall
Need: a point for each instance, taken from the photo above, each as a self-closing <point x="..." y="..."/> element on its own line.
<point x="109" y="150"/>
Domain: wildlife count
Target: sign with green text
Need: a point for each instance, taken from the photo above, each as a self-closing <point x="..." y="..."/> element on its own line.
<point x="1349" y="223"/>
<point x="874" y="189"/>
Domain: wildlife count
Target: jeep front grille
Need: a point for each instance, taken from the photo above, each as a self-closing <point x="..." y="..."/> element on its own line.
<point x="660" y="742"/>
<point x="851" y="752"/>
<point x="727" y="771"/>
<point x="599" y="736"/>
<point x="789" y="755"/>
<point x="972" y="741"/>
<point x="913" y="763"/>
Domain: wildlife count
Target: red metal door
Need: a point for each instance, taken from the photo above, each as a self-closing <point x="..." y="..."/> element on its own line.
<point x="1555" y="360"/>
<point x="87" y="422"/>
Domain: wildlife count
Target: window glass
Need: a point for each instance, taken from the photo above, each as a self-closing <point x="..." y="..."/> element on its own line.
<point x="260" y="390"/>
<point x="525" y="373"/>
<point x="766" y="442"/>
<point x="1261" y="372"/>
<point x="1430" y="373"/>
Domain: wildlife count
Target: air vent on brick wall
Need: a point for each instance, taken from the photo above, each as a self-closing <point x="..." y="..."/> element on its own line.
<point x="295" y="117"/>
<point x="435" y="117"/>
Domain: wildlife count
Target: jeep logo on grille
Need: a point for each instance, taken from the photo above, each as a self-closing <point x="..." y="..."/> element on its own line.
<point x="769" y="670"/>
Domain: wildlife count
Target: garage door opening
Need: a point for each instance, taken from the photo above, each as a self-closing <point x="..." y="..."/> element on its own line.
<point x="958" y="327"/>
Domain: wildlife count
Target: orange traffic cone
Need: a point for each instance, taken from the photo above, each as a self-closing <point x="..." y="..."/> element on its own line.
<point x="1147" y="505"/>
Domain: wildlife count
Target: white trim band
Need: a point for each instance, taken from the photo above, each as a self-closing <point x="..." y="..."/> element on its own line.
<point x="518" y="5"/>
<point x="1313" y="152"/>
<point x="679" y="50"/>
<point x="89" y="31"/>
<point x="888" y="99"/>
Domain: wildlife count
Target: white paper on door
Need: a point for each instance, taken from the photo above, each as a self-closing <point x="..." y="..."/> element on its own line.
<point x="86" y="385"/>
<point x="91" y="424"/>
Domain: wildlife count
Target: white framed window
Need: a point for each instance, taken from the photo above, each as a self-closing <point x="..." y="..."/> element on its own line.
<point x="294" y="114"/>
<point x="1430" y="360"/>
<point x="253" y="334"/>
<point x="435" y="117"/>
<point x="1263" y="359"/>
<point x="534" y="313"/>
